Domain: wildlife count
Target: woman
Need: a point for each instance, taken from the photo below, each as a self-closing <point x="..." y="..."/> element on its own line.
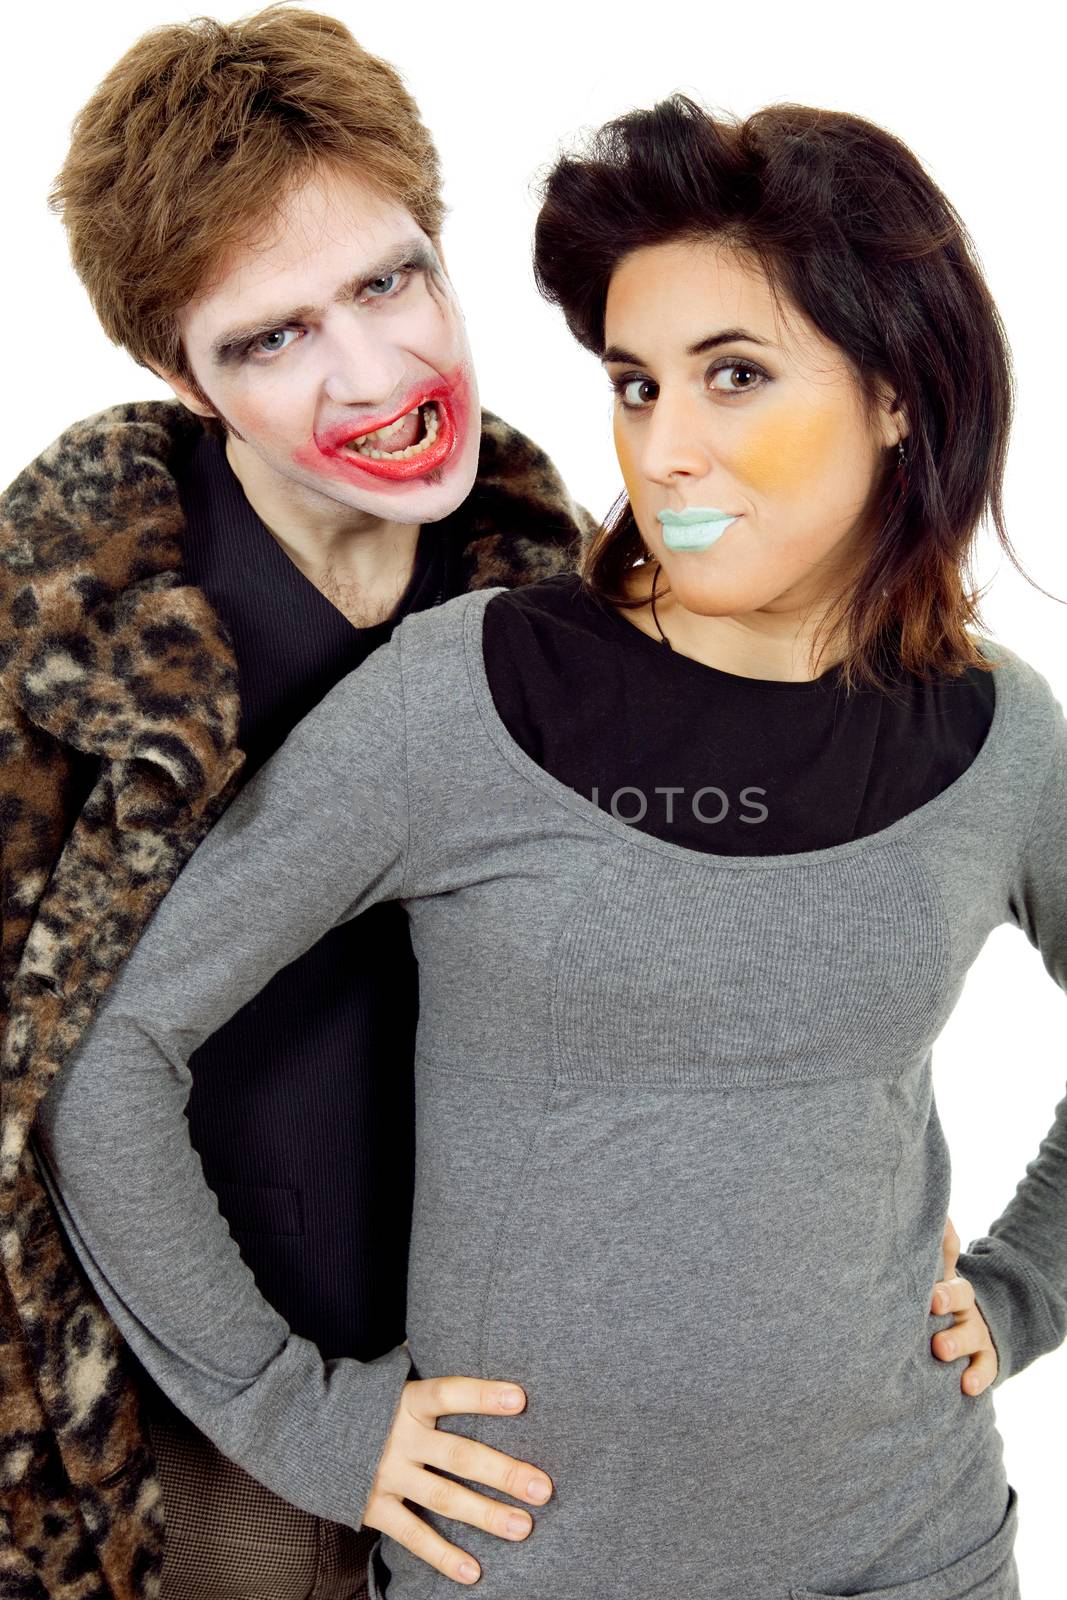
<point x="679" y="1172"/>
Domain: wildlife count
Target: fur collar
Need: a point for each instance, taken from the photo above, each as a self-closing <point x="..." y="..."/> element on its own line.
<point x="90" y="533"/>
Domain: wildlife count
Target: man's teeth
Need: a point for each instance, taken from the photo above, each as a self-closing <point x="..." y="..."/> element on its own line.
<point x="367" y="444"/>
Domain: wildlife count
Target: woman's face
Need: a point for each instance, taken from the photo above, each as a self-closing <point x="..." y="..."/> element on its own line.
<point x="724" y="402"/>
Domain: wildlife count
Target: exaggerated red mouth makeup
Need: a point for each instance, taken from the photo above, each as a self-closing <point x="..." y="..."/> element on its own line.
<point x="415" y="438"/>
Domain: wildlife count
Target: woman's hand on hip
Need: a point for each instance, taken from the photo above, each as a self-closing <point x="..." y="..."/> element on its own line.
<point x="415" y="1443"/>
<point x="970" y="1336"/>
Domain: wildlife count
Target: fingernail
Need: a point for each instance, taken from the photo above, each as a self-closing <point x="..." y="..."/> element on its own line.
<point x="539" y="1489"/>
<point x="467" y="1569"/>
<point x="939" y="1300"/>
<point x="510" y="1399"/>
<point x="518" y="1524"/>
<point x="949" y="1347"/>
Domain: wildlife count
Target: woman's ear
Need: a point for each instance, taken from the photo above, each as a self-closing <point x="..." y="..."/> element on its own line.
<point x="896" y="418"/>
<point x="891" y="418"/>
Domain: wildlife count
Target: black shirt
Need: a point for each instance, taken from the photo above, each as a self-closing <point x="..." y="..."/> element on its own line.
<point x="709" y="759"/>
<point x="302" y="1105"/>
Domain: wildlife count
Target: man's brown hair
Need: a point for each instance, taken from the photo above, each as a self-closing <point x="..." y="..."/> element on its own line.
<point x="200" y="129"/>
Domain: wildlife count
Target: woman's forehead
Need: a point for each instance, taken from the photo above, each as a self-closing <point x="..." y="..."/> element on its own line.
<point x="683" y="292"/>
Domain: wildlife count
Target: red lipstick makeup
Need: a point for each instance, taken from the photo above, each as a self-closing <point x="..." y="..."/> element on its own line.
<point x="442" y="407"/>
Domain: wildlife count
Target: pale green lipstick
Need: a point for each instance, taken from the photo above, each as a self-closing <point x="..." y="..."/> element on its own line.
<point x="695" y="528"/>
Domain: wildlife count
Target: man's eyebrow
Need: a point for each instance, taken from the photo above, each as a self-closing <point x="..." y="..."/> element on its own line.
<point x="417" y="253"/>
<point x="614" y="352"/>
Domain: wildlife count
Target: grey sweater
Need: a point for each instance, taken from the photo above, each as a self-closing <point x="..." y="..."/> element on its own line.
<point x="679" y="1166"/>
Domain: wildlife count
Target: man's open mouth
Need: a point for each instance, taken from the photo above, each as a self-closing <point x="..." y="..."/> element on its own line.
<point x="410" y="435"/>
<point x="406" y="447"/>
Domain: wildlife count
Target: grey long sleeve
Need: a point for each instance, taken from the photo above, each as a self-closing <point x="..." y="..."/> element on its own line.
<point x="1019" y="1269"/>
<point x="692" y="1064"/>
<point x="317" y="836"/>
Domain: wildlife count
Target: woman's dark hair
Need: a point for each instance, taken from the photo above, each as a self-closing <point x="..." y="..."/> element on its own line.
<point x="849" y="228"/>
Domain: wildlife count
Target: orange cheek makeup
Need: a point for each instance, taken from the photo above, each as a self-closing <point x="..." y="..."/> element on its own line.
<point x="780" y="454"/>
<point x="777" y="455"/>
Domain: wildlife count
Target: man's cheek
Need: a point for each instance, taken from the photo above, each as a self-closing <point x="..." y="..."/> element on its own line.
<point x="439" y="334"/>
<point x="273" y="420"/>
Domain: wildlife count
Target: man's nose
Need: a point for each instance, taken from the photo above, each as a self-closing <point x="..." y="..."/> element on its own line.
<point x="363" y="366"/>
<point x="677" y="436"/>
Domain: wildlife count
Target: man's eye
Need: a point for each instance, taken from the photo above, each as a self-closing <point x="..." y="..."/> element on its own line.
<point x="269" y="344"/>
<point x="381" y="288"/>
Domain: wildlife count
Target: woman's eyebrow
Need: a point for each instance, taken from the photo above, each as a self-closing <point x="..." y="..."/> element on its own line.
<point x="417" y="253"/>
<point x="615" y="352"/>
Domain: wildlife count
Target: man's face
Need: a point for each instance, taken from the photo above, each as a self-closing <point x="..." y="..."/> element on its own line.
<point x="334" y="348"/>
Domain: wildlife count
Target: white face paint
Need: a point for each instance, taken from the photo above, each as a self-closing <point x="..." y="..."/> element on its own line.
<point x="335" y="349"/>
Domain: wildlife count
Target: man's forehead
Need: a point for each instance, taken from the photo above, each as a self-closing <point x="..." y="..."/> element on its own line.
<point x="320" y="236"/>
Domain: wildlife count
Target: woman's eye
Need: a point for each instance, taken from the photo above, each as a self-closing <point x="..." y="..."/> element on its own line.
<point x="268" y="344"/>
<point x="753" y="373"/>
<point x="635" y="392"/>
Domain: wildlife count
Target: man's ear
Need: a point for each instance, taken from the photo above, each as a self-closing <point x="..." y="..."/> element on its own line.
<point x="188" y="393"/>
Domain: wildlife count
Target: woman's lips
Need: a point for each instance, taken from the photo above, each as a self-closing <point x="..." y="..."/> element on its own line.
<point x="337" y="442"/>
<point x="695" y="527"/>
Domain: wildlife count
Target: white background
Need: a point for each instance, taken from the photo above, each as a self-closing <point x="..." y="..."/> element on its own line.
<point x="977" y="92"/>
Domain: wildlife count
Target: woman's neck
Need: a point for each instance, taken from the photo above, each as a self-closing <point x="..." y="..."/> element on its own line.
<point x="760" y="644"/>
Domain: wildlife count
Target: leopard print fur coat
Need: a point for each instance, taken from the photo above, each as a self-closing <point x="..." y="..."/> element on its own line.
<point x="118" y="720"/>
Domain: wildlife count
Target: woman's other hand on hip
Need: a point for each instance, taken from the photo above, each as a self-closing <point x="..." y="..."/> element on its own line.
<point x="970" y="1335"/>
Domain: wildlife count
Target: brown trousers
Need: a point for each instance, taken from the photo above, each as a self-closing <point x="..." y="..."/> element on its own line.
<point x="229" y="1538"/>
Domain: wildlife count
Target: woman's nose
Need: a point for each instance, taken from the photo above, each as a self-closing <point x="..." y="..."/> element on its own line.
<point x="677" y="437"/>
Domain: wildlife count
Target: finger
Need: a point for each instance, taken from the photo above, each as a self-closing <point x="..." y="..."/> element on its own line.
<point x="952" y="1294"/>
<point x="480" y="1463"/>
<point x="455" y="1501"/>
<point x="416" y="1535"/>
<point x="430" y="1398"/>
<point x="980" y="1373"/>
<point x="965" y="1338"/>
<point x="950" y="1247"/>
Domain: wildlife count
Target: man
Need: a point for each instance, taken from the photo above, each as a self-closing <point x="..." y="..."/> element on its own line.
<point x="254" y="211"/>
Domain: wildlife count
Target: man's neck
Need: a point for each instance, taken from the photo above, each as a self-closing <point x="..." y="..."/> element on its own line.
<point x="362" y="564"/>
